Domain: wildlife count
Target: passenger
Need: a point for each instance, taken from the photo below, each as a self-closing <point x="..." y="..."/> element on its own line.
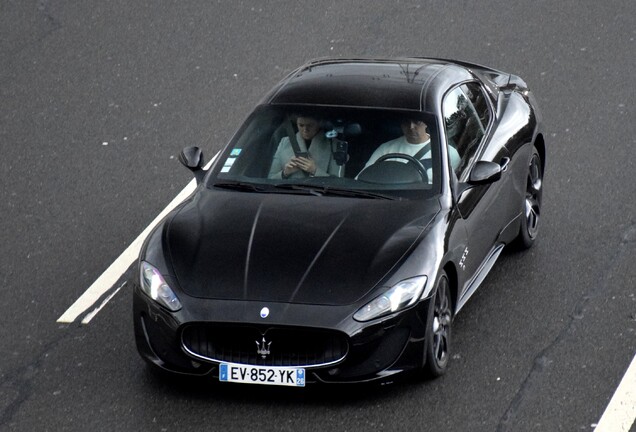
<point x="313" y="155"/>
<point x="415" y="142"/>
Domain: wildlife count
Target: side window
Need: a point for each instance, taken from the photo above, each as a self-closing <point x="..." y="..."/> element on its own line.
<point x="466" y="115"/>
<point x="477" y="97"/>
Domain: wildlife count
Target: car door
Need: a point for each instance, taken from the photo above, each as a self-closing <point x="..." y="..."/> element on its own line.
<point x="468" y="119"/>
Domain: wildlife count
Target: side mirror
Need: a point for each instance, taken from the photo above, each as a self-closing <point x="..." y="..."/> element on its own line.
<point x="484" y="172"/>
<point x="192" y="158"/>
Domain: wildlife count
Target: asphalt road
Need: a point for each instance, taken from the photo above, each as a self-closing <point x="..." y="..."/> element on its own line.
<point x="98" y="98"/>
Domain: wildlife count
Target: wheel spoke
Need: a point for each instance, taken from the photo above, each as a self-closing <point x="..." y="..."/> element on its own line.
<point x="533" y="197"/>
<point x="534" y="177"/>
<point x="441" y="323"/>
<point x="439" y="351"/>
<point x="438" y="342"/>
<point x="445" y="320"/>
<point x="444" y="301"/>
<point x="532" y="212"/>
<point x="436" y="325"/>
<point x="532" y="222"/>
<point x="535" y="186"/>
<point x="441" y="345"/>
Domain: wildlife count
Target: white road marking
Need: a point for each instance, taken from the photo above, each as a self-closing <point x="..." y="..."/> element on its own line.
<point x="120" y="265"/>
<point x="620" y="414"/>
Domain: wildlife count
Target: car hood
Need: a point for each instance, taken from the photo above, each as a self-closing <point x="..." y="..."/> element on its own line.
<point x="290" y="248"/>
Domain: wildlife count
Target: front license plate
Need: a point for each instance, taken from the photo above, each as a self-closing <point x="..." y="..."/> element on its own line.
<point x="281" y="376"/>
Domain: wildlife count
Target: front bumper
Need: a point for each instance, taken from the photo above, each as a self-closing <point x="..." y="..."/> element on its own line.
<point x="374" y="351"/>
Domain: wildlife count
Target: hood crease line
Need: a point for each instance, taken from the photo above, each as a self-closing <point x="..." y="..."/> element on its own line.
<point x="318" y="254"/>
<point x="249" y="249"/>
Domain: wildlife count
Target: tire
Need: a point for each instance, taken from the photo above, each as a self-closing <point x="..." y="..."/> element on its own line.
<point x="531" y="203"/>
<point x="438" y="331"/>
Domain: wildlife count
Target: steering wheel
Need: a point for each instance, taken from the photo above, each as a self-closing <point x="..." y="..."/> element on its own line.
<point x="410" y="160"/>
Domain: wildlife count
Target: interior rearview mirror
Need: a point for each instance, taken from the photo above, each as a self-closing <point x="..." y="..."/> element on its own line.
<point x="352" y="130"/>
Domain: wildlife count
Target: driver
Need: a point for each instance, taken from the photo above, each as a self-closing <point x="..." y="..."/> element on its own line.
<point x="415" y="141"/>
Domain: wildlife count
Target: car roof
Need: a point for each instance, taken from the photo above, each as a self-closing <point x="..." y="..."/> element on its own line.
<point x="400" y="83"/>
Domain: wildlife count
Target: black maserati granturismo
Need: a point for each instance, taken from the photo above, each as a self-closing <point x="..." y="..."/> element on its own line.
<point x="344" y="225"/>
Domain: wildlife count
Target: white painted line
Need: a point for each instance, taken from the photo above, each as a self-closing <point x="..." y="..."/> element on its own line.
<point x="121" y="264"/>
<point x="620" y="414"/>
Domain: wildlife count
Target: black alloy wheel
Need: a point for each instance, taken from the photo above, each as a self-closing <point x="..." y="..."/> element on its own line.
<point x="439" y="329"/>
<point x="532" y="203"/>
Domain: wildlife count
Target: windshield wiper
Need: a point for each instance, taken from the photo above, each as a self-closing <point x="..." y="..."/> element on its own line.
<point x="242" y="186"/>
<point x="326" y="190"/>
<point x="356" y="193"/>
<point x="300" y="188"/>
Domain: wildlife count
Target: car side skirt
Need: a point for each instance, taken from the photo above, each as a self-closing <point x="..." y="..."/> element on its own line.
<point x="479" y="276"/>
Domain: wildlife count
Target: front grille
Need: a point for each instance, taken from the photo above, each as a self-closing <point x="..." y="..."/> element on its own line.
<point x="287" y="346"/>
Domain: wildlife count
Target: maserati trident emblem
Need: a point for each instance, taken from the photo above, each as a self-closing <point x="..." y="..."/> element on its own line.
<point x="262" y="348"/>
<point x="264" y="312"/>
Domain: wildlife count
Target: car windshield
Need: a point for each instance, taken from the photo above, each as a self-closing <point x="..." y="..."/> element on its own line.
<point x="351" y="152"/>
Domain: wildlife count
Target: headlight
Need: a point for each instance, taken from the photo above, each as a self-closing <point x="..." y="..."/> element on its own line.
<point x="154" y="285"/>
<point x="402" y="295"/>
